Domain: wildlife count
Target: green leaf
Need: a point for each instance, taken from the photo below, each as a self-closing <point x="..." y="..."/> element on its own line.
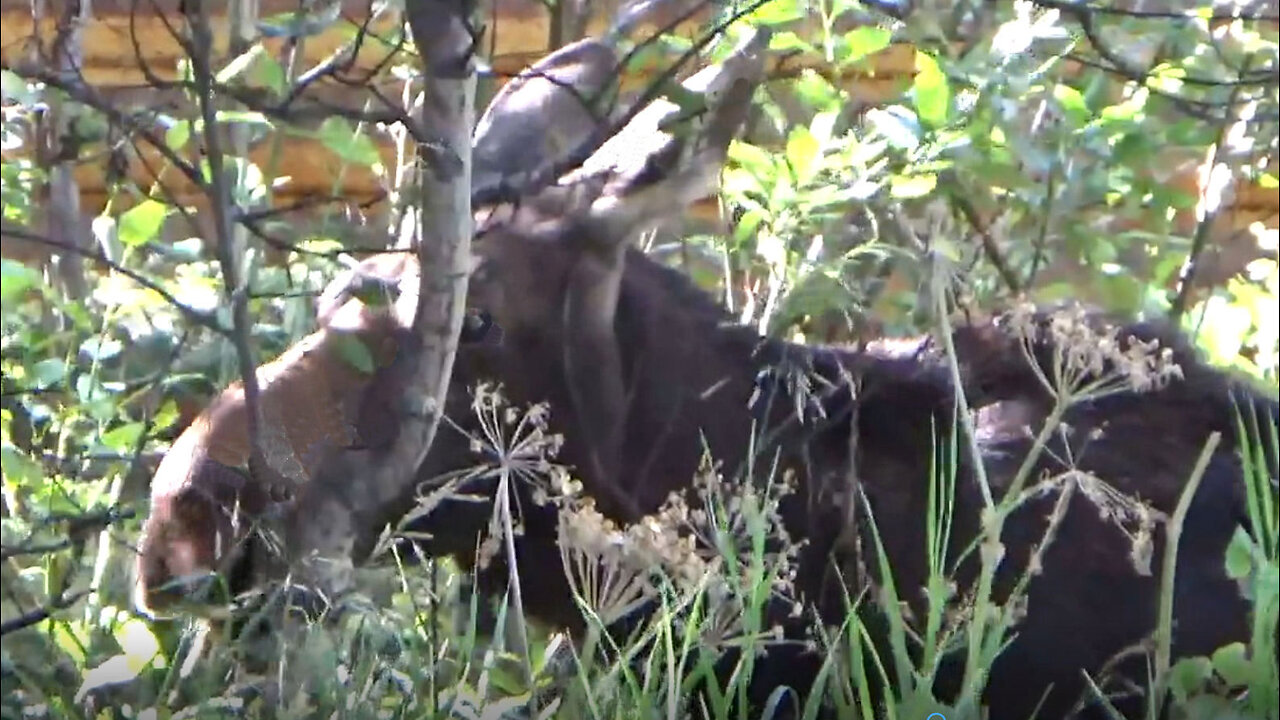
<point x="141" y="223"/>
<point x="166" y="415"/>
<point x="269" y="73"/>
<point x="689" y="104"/>
<point x="931" y="91"/>
<point x="48" y="372"/>
<point x="1188" y="676"/>
<point x="124" y="438"/>
<point x="1121" y="290"/>
<point x="1127" y="111"/>
<point x="748" y="224"/>
<point x="802" y="153"/>
<point x="1072" y="102"/>
<point x="777" y="12"/>
<point x="1231" y="662"/>
<point x="1054" y="292"/>
<point x="177" y="135"/>
<point x="752" y="158"/>
<point x="914" y="186"/>
<point x="817" y="92"/>
<point x="251" y="118"/>
<point x="689" y="101"/>
<point x="337" y="135"/>
<point x="788" y="41"/>
<point x="864" y="41"/>
<point x="16" y="279"/>
<point x="353" y="350"/>
<point x="1239" y="561"/>
<point x="65" y="634"/>
<point x="14" y="86"/>
<point x="239" y="64"/>
<point x="19" y="468"/>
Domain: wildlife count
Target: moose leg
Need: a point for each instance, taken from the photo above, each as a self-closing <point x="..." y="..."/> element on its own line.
<point x="593" y="371"/>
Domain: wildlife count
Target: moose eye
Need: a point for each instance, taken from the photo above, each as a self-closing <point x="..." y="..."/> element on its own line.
<point x="475" y="326"/>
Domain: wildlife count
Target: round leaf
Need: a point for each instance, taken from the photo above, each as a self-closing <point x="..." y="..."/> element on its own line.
<point x="353" y="350"/>
<point x="1231" y="662"/>
<point x="931" y="91"/>
<point x="141" y="223"/>
<point x="1239" y="555"/>
<point x="1188" y="676"/>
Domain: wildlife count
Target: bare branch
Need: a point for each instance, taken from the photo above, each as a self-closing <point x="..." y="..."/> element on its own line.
<point x="1209" y="205"/>
<point x="41" y="614"/>
<point x="989" y="246"/>
<point x="234" y="286"/>
<point x="1239" y="14"/>
<point x="1115" y="64"/>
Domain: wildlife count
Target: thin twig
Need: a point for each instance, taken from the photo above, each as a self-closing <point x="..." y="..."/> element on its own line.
<point x="1210" y="207"/>
<point x="989" y="246"/>
<point x="234" y="286"/>
<point x="41" y="614"/>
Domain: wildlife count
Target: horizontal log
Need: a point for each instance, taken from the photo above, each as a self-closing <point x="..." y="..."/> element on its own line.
<point x="123" y="52"/>
<point x="519" y="31"/>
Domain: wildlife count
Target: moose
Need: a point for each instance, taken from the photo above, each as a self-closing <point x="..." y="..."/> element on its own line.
<point x="644" y="373"/>
<point x="691" y="375"/>
<point x="205" y="487"/>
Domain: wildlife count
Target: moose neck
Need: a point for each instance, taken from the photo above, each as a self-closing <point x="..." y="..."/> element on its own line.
<point x="699" y="381"/>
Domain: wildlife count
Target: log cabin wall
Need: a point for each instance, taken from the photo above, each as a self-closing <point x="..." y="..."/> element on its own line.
<point x="519" y="32"/>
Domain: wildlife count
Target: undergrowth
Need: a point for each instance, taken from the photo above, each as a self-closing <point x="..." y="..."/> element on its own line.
<point x="704" y="568"/>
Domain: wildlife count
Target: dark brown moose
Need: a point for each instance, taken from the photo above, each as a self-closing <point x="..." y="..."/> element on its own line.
<point x="668" y="375"/>
<point x="691" y="375"/>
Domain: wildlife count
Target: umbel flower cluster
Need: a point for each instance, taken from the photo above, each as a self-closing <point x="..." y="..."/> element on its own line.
<point x="696" y="545"/>
<point x="1090" y="361"/>
<point x="690" y="547"/>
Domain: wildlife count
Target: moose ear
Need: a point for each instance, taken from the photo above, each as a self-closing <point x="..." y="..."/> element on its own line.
<point x="670" y="155"/>
<point x="384" y="283"/>
<point x="540" y="115"/>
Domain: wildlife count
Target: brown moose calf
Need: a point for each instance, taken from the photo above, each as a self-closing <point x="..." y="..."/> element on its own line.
<point x="316" y="399"/>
